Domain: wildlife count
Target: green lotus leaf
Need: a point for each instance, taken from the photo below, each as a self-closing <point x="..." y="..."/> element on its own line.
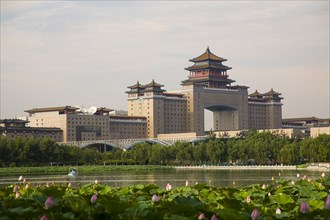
<point x="316" y="204"/>
<point x="229" y="213"/>
<point x="22" y="211"/>
<point x="281" y="199"/>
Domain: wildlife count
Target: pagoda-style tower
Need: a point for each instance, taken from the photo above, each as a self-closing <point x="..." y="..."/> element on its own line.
<point x="208" y="87"/>
<point x="209" y="71"/>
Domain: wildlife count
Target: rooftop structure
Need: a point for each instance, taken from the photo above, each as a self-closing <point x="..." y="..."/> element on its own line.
<point x="209" y="71"/>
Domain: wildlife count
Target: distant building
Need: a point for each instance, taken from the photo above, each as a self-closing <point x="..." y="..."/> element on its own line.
<point x="11" y="128"/>
<point x="84" y="125"/>
<point x="311" y="126"/>
<point x="207" y="87"/>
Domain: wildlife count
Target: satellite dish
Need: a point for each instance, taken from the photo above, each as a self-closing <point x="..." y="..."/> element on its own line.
<point x="92" y="110"/>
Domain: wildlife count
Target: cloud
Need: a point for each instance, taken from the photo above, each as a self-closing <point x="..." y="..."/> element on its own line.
<point x="88" y="52"/>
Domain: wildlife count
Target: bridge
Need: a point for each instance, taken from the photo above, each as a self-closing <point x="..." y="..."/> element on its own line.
<point x="126" y="144"/>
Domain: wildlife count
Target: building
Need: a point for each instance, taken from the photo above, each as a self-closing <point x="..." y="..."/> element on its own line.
<point x="11" y="128"/>
<point x="208" y="87"/>
<point x="165" y="112"/>
<point x="310" y="126"/>
<point x="84" y="125"/>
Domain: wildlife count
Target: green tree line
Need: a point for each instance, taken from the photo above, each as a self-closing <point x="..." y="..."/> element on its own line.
<point x="255" y="148"/>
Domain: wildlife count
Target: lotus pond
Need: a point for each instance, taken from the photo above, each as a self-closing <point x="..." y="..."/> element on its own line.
<point x="177" y="177"/>
<point x="295" y="198"/>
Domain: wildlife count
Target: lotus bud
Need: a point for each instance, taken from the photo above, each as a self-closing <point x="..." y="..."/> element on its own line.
<point x="155" y="198"/>
<point x="304" y="208"/>
<point x="69" y="185"/>
<point x="27" y="186"/>
<point x="327" y="202"/>
<point x="44" y="217"/>
<point x="201" y="216"/>
<point x="94" y="198"/>
<point x="292" y="182"/>
<point x="248" y="199"/>
<point x="17" y="194"/>
<point x="16" y="187"/>
<point x="263" y="186"/>
<point x="278" y="211"/>
<point x="96" y="182"/>
<point x="196" y="183"/>
<point x="309" y="180"/>
<point x="49" y="203"/>
<point x="255" y="215"/>
<point x="20" y="178"/>
<point x="168" y="187"/>
<point x="24" y="180"/>
<point x="298" y="175"/>
<point x="273" y="178"/>
<point x="234" y="183"/>
<point x="187" y="183"/>
<point x="214" y="217"/>
<point x="269" y="194"/>
<point x="279" y="174"/>
<point x="323" y="175"/>
<point x="304" y="177"/>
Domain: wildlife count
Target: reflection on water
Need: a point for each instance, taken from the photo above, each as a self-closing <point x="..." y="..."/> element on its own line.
<point x="219" y="178"/>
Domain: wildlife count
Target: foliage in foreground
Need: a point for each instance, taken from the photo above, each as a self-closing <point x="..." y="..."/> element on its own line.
<point x="300" y="198"/>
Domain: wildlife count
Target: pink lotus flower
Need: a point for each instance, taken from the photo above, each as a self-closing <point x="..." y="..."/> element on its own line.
<point x="94" y="198"/>
<point x="168" y="187"/>
<point x="155" y="198"/>
<point x="44" y="217"/>
<point x="214" y="217"/>
<point x="20" y="178"/>
<point x="201" y="216"/>
<point x="49" y="203"/>
<point x="255" y="215"/>
<point x="24" y="180"/>
<point x="304" y="207"/>
<point x="327" y="202"/>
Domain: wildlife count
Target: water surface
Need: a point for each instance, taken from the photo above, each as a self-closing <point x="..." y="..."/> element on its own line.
<point x="218" y="178"/>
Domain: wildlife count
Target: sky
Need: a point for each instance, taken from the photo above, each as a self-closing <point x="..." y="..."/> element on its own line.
<point x="86" y="53"/>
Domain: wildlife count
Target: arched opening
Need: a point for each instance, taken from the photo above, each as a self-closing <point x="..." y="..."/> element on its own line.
<point x="101" y="147"/>
<point x="221" y="117"/>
